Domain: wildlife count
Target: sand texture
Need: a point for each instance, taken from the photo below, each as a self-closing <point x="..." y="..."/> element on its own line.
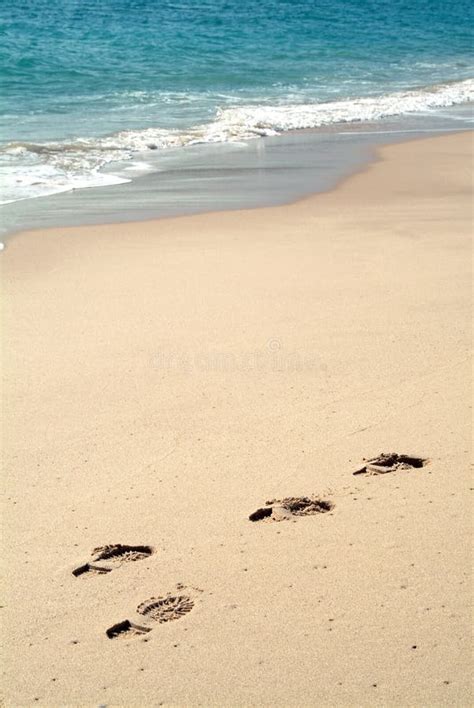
<point x="165" y="380"/>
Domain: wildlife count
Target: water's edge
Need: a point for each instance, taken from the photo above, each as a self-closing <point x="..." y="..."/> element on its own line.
<point x="264" y="172"/>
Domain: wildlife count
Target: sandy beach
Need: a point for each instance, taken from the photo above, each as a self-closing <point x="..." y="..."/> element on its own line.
<point x="163" y="380"/>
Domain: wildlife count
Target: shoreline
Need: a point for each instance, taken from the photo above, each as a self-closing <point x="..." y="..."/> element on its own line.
<point x="165" y="378"/>
<point x="68" y="205"/>
<point x="132" y="146"/>
<point x="376" y="157"/>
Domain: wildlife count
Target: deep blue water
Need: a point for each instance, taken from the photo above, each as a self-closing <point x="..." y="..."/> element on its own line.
<point x="86" y="83"/>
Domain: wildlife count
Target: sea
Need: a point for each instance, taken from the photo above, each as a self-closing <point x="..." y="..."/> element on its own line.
<point x="129" y="109"/>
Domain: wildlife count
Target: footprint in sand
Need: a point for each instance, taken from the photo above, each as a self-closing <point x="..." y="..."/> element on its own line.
<point x="284" y="509"/>
<point x="390" y="462"/>
<point x="167" y="608"/>
<point x="113" y="555"/>
<point x="161" y="609"/>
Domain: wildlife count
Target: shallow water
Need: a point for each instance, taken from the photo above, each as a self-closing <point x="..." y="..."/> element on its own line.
<point x="87" y="86"/>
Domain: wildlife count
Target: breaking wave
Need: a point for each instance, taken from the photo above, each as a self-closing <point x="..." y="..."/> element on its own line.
<point x="30" y="170"/>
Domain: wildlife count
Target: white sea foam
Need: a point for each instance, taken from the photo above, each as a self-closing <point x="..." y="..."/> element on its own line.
<point x="37" y="169"/>
<point x="19" y="183"/>
<point x="276" y="119"/>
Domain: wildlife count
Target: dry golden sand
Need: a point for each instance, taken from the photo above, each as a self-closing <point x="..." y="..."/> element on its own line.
<point x="164" y="379"/>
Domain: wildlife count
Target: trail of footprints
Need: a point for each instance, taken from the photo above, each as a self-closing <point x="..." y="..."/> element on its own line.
<point x="156" y="609"/>
<point x="174" y="606"/>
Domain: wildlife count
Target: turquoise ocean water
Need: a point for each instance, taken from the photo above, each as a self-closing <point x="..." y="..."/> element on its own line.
<point x="94" y="93"/>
